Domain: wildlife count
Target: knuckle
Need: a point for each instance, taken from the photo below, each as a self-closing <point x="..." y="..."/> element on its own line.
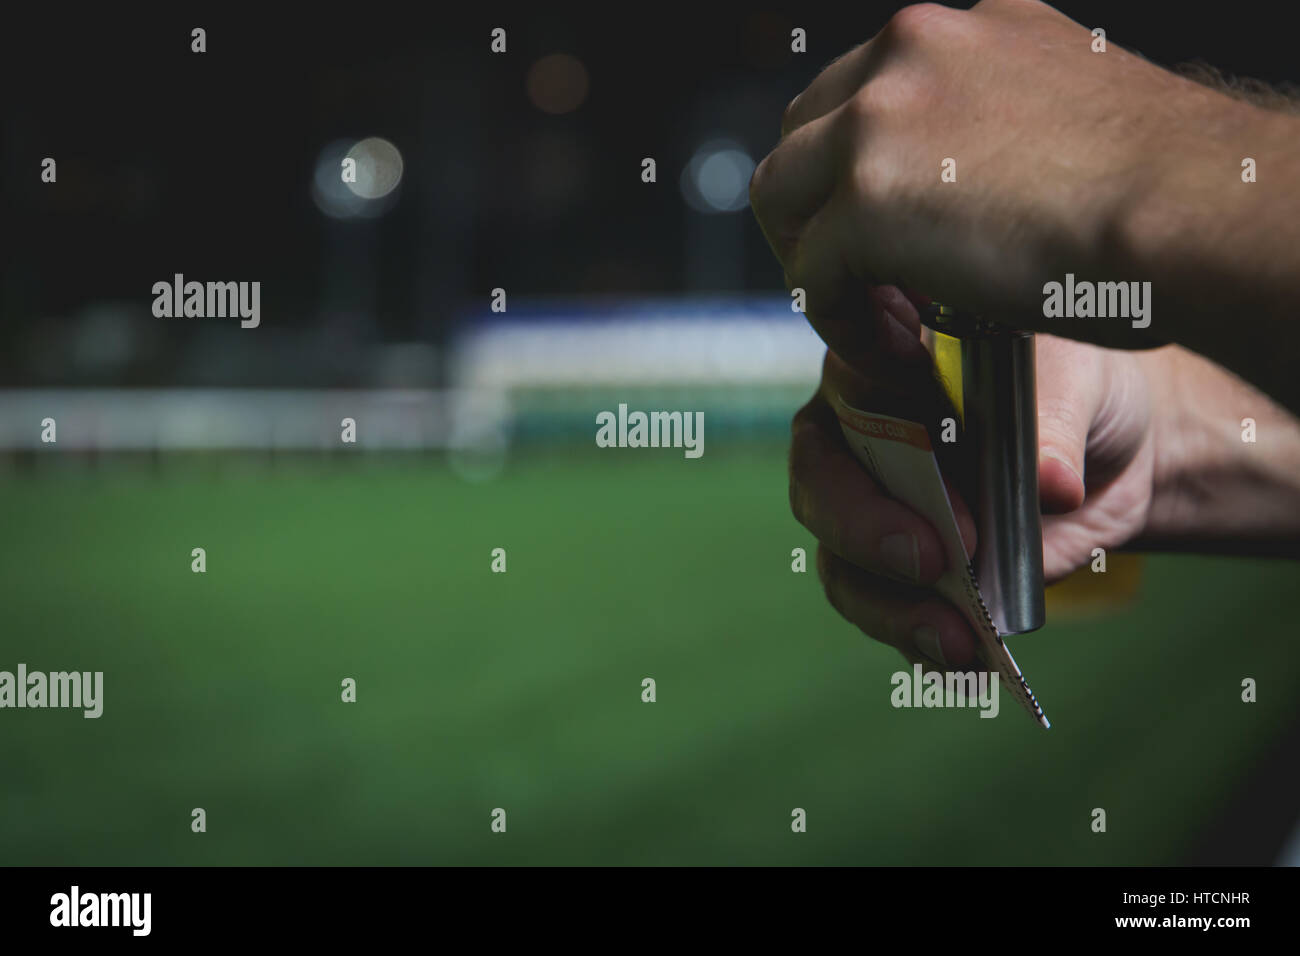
<point x="790" y="116"/>
<point x="829" y="576"/>
<point x="915" y="21"/>
<point x="800" y="453"/>
<point x="796" y="498"/>
<point x="859" y="109"/>
<point x="897" y="91"/>
<point x="838" y="534"/>
<point x="868" y="181"/>
<point x="758" y="184"/>
<point x="804" y="416"/>
<point x="799" y="501"/>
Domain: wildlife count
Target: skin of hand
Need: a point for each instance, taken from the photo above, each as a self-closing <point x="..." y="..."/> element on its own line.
<point x="1115" y="470"/>
<point x="1098" y="164"/>
<point x="1067" y="161"/>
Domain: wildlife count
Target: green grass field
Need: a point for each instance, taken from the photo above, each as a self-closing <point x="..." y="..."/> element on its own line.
<point x="523" y="690"/>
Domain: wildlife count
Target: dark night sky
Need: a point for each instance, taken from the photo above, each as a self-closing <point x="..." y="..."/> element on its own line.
<point x="176" y="162"/>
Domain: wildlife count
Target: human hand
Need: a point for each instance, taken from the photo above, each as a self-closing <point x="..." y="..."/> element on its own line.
<point x="1068" y="161"/>
<point x="877" y="557"/>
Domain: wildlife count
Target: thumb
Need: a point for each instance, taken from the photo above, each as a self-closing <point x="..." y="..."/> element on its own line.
<point x="1069" y="395"/>
<point x="876" y="331"/>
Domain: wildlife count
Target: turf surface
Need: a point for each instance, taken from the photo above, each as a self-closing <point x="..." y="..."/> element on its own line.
<point x="523" y="690"/>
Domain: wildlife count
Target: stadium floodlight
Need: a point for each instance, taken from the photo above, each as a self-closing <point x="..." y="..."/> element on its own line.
<point x="716" y="180"/>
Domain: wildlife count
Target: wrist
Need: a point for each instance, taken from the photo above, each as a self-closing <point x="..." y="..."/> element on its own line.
<point x="1226" y="472"/>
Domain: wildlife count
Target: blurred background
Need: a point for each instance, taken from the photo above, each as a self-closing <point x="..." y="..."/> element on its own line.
<point x="519" y="171"/>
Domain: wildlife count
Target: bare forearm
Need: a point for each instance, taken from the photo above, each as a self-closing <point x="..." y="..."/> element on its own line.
<point x="1223" y="254"/>
<point x="1227" y="461"/>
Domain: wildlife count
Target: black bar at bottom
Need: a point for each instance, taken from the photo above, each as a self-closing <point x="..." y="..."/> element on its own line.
<point x="1038" y="907"/>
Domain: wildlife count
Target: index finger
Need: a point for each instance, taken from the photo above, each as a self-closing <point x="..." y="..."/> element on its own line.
<point x="850" y="71"/>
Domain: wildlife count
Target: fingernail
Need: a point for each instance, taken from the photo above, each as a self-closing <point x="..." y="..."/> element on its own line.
<point x="926" y="639"/>
<point x="900" y="554"/>
<point x="1057" y="456"/>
